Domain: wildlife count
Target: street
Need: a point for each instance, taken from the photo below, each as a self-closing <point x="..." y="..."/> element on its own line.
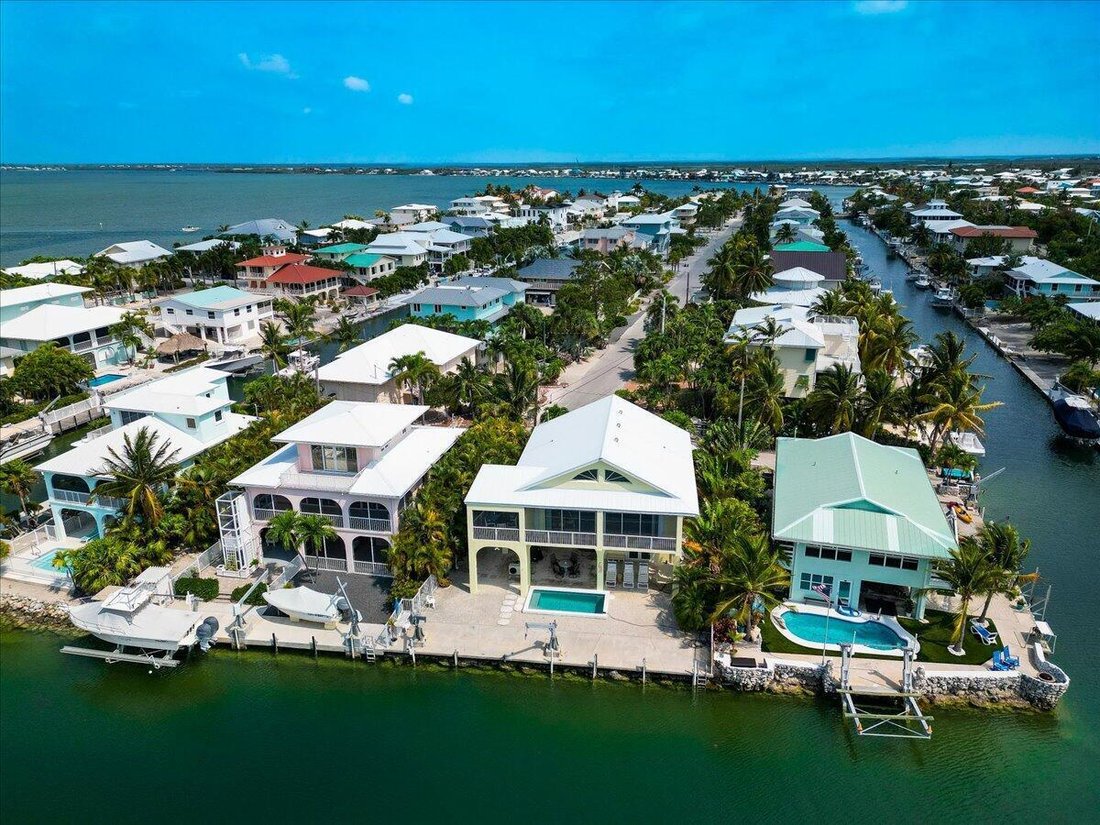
<point x="609" y="369"/>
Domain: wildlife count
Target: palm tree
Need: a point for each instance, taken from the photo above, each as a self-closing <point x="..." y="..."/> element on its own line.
<point x="467" y="385"/>
<point x="785" y="234"/>
<point x="139" y="475"/>
<point x="947" y="356"/>
<point x="345" y="334"/>
<point x="766" y="392"/>
<point x="414" y="370"/>
<point x="285" y="528"/>
<point x="879" y="402"/>
<point x="751" y="580"/>
<point x="753" y="271"/>
<point x="516" y="389"/>
<point x="835" y="401"/>
<point x="298" y="317"/>
<point x="955" y="405"/>
<point x="968" y="573"/>
<point x="99" y="563"/>
<point x="273" y="344"/>
<point x="18" y="478"/>
<point x="742" y="359"/>
<point x="314" y="531"/>
<point x="720" y="280"/>
<point x="1006" y="551"/>
<point x="832" y="302"/>
<point x="129" y="331"/>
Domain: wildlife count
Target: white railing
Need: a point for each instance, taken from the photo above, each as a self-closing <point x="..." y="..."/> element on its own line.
<point x="39" y="535"/>
<point x="335" y="521"/>
<point x="372" y="568"/>
<point x="640" y="542"/>
<point x="261" y="514"/>
<point x="287" y="574"/>
<point x="294" y="477"/>
<point x="76" y="497"/>
<point x="568" y="539"/>
<point x="99" y="431"/>
<point x="498" y="533"/>
<point x="325" y="563"/>
<point x="407" y="607"/>
<point x="376" y="525"/>
<point x="209" y="557"/>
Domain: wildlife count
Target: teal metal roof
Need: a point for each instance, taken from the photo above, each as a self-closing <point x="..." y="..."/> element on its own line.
<point x="340" y="249"/>
<point x="364" y="260"/>
<point x="802" y="246"/>
<point x="848" y="491"/>
<point x="216" y="297"/>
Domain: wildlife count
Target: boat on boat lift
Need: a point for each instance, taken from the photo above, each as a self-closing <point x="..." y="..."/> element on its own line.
<point x="1075" y="415"/>
<point x="302" y="604"/>
<point x="968" y="442"/>
<point x="300" y="361"/>
<point x="944" y="296"/>
<point x="922" y="281"/>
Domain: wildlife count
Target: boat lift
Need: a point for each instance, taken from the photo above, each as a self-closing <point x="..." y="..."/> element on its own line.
<point x="552" y="648"/>
<point x="156" y="661"/>
<point x="906" y="721"/>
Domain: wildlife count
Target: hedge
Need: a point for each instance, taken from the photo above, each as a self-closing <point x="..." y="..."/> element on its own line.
<point x="205" y="589"/>
<point x="257" y="596"/>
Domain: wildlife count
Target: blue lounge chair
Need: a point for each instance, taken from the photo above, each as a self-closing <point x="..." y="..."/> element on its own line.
<point x="1011" y="661"/>
<point x="984" y="635"/>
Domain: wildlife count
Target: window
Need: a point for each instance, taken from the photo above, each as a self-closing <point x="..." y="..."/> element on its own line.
<point x="438" y="308"/>
<point x="130" y="416"/>
<point x="808" y="580"/>
<point x="618" y="478"/>
<point x="811" y="354"/>
<point x="334" y="459"/>
<point x="217" y="415"/>
<point x="489" y="518"/>
<point x="171" y="311"/>
<point x="631" y="524"/>
<point x="829" y="553"/>
<point x="189" y="312"/>
<point x="209" y="314"/>
<point x="894" y="562"/>
<point x="571" y="521"/>
<point x="190" y="423"/>
<point x="416" y="307"/>
<point x="587" y="475"/>
<point x="237" y="311"/>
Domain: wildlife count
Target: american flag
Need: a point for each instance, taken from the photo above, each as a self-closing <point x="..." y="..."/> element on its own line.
<point x="823" y="589"/>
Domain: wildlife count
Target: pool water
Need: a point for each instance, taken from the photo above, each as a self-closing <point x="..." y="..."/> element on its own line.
<point x="567" y="601"/>
<point x="811" y="628"/>
<point x="45" y="562"/>
<point x="99" y="381"/>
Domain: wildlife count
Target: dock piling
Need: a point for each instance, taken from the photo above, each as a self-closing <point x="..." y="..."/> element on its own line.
<point x="643" y="671"/>
<point x="274" y="644"/>
<point x="313" y="645"/>
<point x="595" y="664"/>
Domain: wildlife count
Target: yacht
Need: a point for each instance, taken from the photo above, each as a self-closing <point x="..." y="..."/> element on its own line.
<point x="944" y="296"/>
<point x="968" y="442"/>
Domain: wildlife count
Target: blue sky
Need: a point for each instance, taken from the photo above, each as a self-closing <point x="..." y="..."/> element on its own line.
<point x="287" y="82"/>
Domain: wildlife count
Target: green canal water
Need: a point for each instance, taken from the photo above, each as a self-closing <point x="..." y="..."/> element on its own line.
<point x="288" y="739"/>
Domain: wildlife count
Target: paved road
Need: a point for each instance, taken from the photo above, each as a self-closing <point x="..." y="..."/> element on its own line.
<point x="609" y="369"/>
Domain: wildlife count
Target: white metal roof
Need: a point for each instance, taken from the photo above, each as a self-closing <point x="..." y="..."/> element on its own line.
<point x="133" y="252"/>
<point x="369" y="363"/>
<point x="46" y="270"/>
<point x="1089" y="309"/>
<point x="38" y="292"/>
<point x="48" y="321"/>
<point x="206" y="246"/>
<point x="798" y="275"/>
<point x="612" y="431"/>
<point x="183" y="393"/>
<point x="788" y="297"/>
<point x="353" y="424"/>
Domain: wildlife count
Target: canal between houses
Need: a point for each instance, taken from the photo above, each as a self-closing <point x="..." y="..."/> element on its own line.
<point x="288" y="739"/>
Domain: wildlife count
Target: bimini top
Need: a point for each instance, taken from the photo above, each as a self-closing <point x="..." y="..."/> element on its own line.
<point x="847" y="491"/>
<point x="651" y="457"/>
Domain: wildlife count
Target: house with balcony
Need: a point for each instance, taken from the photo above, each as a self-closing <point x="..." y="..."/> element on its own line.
<point x="190" y="411"/>
<point x="441" y="242"/>
<point x="366" y="266"/>
<point x="475" y="226"/>
<point x="609" y="483"/>
<point x="223" y="314"/>
<point x="469" y="299"/>
<point x="1020" y="239"/>
<point x="339" y="252"/>
<point x="797" y="286"/>
<point x="362" y="373"/>
<point x="807" y="345"/>
<point x="655" y="230"/>
<point x="933" y="213"/>
<point x="275" y="256"/>
<point x="356" y="464"/>
<point x="545" y="276"/>
<point x="412" y="213"/>
<point x="31" y="316"/>
<point x="860" y="518"/>
<point x="407" y="249"/>
<point x="607" y="239"/>
<point x="1036" y="277"/>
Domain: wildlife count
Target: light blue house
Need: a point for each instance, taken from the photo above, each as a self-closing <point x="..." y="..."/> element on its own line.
<point x="189" y="411"/>
<point x="1040" y="277"/>
<point x="658" y="229"/>
<point x="470" y="298"/>
<point x="34" y="315"/>
<point x="860" y="519"/>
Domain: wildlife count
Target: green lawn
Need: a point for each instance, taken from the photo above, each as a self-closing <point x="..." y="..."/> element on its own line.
<point x="934" y="636"/>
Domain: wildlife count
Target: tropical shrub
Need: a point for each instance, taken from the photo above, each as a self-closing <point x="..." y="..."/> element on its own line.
<point x="205" y="589"/>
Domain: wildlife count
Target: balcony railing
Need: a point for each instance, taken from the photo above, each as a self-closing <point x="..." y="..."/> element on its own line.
<point x="372" y="568"/>
<point x="325" y="563"/>
<point x="335" y="521"/>
<point x="294" y="477"/>
<point x="555" y="537"/>
<point x="374" y="525"/>
<point x="76" y="497"/>
<point x="261" y="514"/>
<point x="662" y="543"/>
<point x="498" y="533"/>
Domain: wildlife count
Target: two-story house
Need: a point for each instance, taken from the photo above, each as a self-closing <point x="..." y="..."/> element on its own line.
<point x="656" y="229"/>
<point x="362" y="373"/>
<point x="356" y="464"/>
<point x="133" y="253"/>
<point x="1020" y="239"/>
<point x="1037" y="277"/>
<point x="861" y="519"/>
<point x="609" y="481"/>
<point x="545" y="276"/>
<point x="34" y="315"/>
<point x="412" y="213"/>
<point x="366" y="266"/>
<point x="407" y="249"/>
<point x="188" y="411"/>
<point x="257" y="270"/>
<point x="469" y="299"/>
<point x="339" y="252"/>
<point x="223" y="314"/>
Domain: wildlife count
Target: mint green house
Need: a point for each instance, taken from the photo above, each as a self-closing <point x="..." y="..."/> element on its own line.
<point x="860" y="518"/>
<point x="469" y="298"/>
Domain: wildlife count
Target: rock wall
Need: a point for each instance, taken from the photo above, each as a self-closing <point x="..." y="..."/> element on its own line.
<point x="34" y="614"/>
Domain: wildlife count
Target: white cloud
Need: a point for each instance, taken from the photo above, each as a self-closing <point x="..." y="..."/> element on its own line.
<point x="274" y="63"/>
<point x="356" y="84"/>
<point x="405" y="98"/>
<point x="879" y="6"/>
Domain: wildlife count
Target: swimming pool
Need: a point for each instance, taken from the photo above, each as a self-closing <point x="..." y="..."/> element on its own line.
<point x="100" y="380"/>
<point x="810" y="627"/>
<point x="45" y="562"/>
<point x="567" y="601"/>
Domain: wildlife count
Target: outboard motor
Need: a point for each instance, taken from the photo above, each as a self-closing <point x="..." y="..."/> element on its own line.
<point x="205" y="633"/>
<point x="344" y="606"/>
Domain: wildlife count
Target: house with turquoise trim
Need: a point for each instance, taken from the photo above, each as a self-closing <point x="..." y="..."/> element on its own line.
<point x="469" y="299"/>
<point x="339" y="252"/>
<point x="1036" y="277"/>
<point x="189" y="411"/>
<point x="861" y="518"/>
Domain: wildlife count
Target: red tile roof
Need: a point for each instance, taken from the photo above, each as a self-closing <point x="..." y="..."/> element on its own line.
<point x="301" y="274"/>
<point x="275" y="260"/>
<point x="361" y="291"/>
<point x="995" y="231"/>
<point x="1027" y="190"/>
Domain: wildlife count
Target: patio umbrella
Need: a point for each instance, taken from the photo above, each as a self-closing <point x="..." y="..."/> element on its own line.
<point x="180" y="342"/>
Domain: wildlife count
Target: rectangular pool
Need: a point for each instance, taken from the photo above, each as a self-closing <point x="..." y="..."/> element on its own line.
<point x="100" y="380"/>
<point x="566" y="601"/>
<point x="45" y="562"/>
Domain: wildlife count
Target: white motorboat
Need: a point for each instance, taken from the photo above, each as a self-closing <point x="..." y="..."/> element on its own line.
<point x="944" y="296"/>
<point x="306" y="605"/>
<point x="300" y="360"/>
<point x="968" y="442"/>
<point x="922" y="281"/>
<point x="137" y="617"/>
<point x="190" y="228"/>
